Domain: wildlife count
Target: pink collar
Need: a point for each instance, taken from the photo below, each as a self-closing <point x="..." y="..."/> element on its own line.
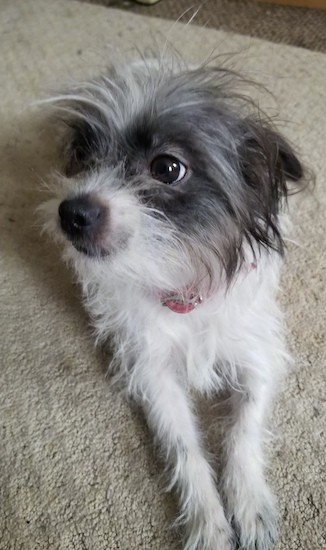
<point x="180" y="303"/>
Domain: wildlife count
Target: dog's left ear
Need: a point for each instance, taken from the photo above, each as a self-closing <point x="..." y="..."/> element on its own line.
<point x="267" y="163"/>
<point x="267" y="158"/>
<point x="286" y="158"/>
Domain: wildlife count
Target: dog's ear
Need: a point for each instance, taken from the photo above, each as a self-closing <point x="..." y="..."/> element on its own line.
<point x="290" y="164"/>
<point x="266" y="157"/>
<point x="267" y="162"/>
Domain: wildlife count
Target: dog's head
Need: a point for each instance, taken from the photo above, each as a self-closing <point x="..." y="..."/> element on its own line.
<point x="169" y="176"/>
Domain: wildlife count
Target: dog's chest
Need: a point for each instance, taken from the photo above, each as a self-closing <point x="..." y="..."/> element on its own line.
<point x="206" y="348"/>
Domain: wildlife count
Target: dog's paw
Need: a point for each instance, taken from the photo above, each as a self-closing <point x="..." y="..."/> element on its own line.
<point x="255" y="524"/>
<point x="207" y="533"/>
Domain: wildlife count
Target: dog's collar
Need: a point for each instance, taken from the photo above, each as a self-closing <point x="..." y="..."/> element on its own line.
<point x="185" y="303"/>
<point x="180" y="303"/>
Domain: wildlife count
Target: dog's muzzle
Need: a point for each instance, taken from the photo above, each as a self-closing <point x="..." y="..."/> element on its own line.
<point x="82" y="218"/>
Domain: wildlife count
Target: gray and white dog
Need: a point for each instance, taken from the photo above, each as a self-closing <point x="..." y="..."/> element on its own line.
<point x="171" y="211"/>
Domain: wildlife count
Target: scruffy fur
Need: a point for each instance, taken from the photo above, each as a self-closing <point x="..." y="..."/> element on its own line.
<point x="217" y="233"/>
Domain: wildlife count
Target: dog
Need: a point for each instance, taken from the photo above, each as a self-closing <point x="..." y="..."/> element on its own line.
<point x="172" y="208"/>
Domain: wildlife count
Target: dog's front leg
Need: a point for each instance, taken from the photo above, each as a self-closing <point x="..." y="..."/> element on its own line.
<point x="169" y="415"/>
<point x="250" y="503"/>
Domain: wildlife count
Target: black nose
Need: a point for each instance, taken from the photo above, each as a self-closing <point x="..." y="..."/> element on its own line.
<point x="80" y="215"/>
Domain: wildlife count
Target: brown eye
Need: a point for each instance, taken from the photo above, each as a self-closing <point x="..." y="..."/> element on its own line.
<point x="168" y="169"/>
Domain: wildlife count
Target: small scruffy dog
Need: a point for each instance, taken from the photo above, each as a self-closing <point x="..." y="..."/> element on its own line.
<point x="171" y="213"/>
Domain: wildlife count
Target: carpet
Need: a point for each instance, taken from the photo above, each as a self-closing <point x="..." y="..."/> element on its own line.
<point x="292" y="25"/>
<point x="77" y="466"/>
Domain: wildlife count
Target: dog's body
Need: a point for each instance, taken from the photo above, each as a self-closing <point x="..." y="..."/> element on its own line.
<point x="173" y="225"/>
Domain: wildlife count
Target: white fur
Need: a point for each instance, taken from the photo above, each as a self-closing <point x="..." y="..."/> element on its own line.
<point x="233" y="339"/>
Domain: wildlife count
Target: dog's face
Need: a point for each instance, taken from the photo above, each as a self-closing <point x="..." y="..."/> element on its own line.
<point x="167" y="169"/>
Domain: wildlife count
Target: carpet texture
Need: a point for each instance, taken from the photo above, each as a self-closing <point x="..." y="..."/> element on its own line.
<point x="287" y="24"/>
<point x="77" y="466"/>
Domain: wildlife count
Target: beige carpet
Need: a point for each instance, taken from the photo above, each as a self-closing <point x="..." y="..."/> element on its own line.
<point x="287" y="24"/>
<point x="77" y="467"/>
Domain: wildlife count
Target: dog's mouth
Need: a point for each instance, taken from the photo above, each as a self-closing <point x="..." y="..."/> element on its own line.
<point x="90" y="250"/>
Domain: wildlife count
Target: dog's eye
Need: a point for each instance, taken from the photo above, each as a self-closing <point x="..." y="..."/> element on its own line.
<point x="168" y="169"/>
